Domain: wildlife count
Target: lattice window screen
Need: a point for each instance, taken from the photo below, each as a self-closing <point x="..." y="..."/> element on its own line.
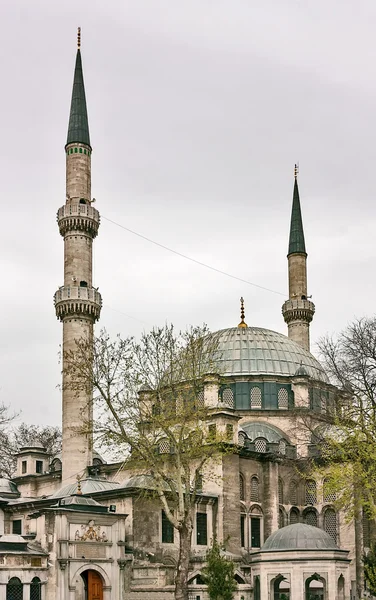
<point x="283" y="398"/>
<point x="14" y="589"/>
<point x="241" y="487"/>
<point x="228" y="397"/>
<point x="164" y="447"/>
<point x="293" y="493"/>
<point x="35" y="589"/>
<point x="330" y="523"/>
<point x="241" y="438"/>
<point x="280" y="491"/>
<point x="294" y="516"/>
<point x="310" y="492"/>
<point x="282" y="447"/>
<point x="310" y="518"/>
<point x="200" y="399"/>
<point x="255" y="496"/>
<point x="260" y="445"/>
<point x="256" y="397"/>
<point x="329" y="495"/>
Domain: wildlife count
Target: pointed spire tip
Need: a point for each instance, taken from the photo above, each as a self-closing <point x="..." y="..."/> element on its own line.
<point x="296" y="170"/>
<point x="78" y="38"/>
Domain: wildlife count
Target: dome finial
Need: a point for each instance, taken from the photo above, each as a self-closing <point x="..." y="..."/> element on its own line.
<point x="296" y="170"/>
<point x="79" y="490"/>
<point x="79" y="38"/>
<point x="242" y="323"/>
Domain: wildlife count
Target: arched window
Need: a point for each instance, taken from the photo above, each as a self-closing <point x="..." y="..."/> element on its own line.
<point x="164" y="447"/>
<point x="293" y="492"/>
<point x="281" y="518"/>
<point x="330" y="523"/>
<point x="294" y="516"/>
<point x="241" y="487"/>
<point x="228" y="397"/>
<point x="310" y="492"/>
<point x="283" y="398"/>
<point x="14" y="589"/>
<point x="255" y="495"/>
<point x="255" y="397"/>
<point x="310" y="517"/>
<point x="260" y="445"/>
<point x="200" y="400"/>
<point x="35" y="589"/>
<point x="255" y="528"/>
<point x="329" y="494"/>
<point x="341" y="588"/>
<point x="280" y="491"/>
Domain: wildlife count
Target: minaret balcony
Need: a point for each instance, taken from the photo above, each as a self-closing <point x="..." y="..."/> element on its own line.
<point x="78" y="301"/>
<point x="298" y="309"/>
<point x="78" y="217"/>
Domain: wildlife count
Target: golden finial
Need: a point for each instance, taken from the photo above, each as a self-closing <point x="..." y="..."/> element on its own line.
<point x="79" y="490"/>
<point x="242" y="323"/>
<point x="79" y="38"/>
<point x="296" y="170"/>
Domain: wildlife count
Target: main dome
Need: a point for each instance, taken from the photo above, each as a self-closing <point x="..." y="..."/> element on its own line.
<point x="257" y="351"/>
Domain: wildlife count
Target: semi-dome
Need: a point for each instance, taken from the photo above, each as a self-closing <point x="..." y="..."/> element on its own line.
<point x="258" y="429"/>
<point x="257" y="351"/>
<point x="8" y="487"/>
<point x="299" y="537"/>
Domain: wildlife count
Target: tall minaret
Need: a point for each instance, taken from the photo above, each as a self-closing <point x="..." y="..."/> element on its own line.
<point x="297" y="311"/>
<point x="77" y="302"/>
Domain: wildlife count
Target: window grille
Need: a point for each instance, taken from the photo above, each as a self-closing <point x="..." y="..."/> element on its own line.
<point x="256" y="397"/>
<point x="283" y="398"/>
<point x="228" y="397"/>
<point x="255" y="496"/>
<point x="260" y="445"/>
<point x="329" y="495"/>
<point x="255" y="532"/>
<point x="35" y="589"/>
<point x="294" y="516"/>
<point x="330" y="523"/>
<point x="201" y="529"/>
<point x="200" y="399"/>
<point x="310" y="518"/>
<point x="241" y="487"/>
<point x="311" y="492"/>
<point x="14" y="589"/>
<point x="282" y="447"/>
<point x="164" y="447"/>
<point x="280" y="491"/>
<point x="167" y="530"/>
<point x="293" y="493"/>
<point x="241" y="438"/>
<point x="281" y="519"/>
<point x="366" y="531"/>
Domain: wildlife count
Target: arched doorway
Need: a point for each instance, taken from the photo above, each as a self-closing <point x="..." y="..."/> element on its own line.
<point x="315" y="588"/>
<point x="281" y="588"/>
<point x="93" y="585"/>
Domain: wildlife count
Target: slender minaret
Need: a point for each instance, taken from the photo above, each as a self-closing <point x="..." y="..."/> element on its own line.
<point x="297" y="311"/>
<point x="77" y="302"/>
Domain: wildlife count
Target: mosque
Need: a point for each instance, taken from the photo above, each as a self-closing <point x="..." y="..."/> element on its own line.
<point x="98" y="538"/>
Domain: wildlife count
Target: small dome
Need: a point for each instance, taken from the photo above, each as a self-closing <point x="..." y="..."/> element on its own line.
<point x="145" y="482"/>
<point x="258" y="429"/>
<point x="299" y="537"/>
<point x="90" y="485"/>
<point x="8" y="487"/>
<point x="257" y="351"/>
<point x="34" y="445"/>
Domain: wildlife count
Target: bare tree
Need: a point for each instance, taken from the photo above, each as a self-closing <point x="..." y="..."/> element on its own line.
<point x="350" y="444"/>
<point x="149" y="406"/>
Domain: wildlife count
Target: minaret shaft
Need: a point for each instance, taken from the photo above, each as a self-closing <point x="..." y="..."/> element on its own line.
<point x="77" y="303"/>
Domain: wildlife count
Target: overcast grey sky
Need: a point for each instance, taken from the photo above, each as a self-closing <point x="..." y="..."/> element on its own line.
<point x="198" y="110"/>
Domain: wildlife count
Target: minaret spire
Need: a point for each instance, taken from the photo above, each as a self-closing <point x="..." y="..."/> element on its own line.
<point x="298" y="311"/>
<point x="77" y="302"/>
<point x="78" y="128"/>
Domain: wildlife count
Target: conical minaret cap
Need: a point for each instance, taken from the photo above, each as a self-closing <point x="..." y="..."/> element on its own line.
<point x="78" y="129"/>
<point x="296" y="241"/>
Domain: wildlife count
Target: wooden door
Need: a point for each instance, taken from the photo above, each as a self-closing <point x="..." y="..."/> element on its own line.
<point x="94" y="586"/>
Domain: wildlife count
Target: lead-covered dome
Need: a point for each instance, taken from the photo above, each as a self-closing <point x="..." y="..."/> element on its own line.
<point x="299" y="537"/>
<point x="257" y="351"/>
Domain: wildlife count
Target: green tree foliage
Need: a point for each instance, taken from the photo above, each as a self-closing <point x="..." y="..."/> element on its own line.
<point x="219" y="574"/>
<point x="370" y="569"/>
<point x="149" y="410"/>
